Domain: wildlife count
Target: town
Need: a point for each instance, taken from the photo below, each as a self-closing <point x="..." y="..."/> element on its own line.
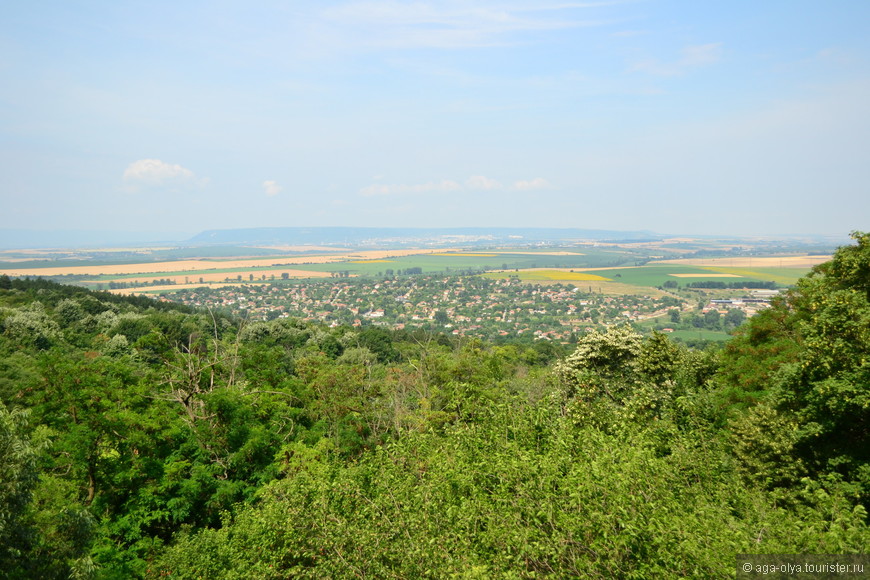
<point x="473" y="306"/>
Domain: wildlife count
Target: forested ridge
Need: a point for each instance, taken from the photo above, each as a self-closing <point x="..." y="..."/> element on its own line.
<point x="143" y="439"/>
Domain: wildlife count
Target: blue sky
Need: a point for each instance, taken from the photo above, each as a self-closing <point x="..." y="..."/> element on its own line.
<point x="737" y="117"/>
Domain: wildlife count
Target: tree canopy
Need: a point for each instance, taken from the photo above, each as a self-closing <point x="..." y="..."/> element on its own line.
<point x="142" y="440"/>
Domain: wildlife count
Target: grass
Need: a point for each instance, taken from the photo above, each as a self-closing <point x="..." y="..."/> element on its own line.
<point x="449" y="263"/>
<point x="554" y="275"/>
<point x="700" y="334"/>
<point x="656" y="275"/>
<point x="652" y="275"/>
<point x="784" y="276"/>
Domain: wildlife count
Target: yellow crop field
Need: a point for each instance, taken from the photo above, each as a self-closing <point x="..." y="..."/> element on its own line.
<point x="555" y="275"/>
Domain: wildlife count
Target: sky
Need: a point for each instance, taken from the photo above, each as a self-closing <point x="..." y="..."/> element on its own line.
<point x="733" y="117"/>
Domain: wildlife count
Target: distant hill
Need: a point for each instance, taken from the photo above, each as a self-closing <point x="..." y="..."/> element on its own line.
<point x="21" y="238"/>
<point x="436" y="236"/>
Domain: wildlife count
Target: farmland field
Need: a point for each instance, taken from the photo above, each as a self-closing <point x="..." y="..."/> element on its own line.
<point x="652" y="275"/>
<point x="608" y="268"/>
<point x="785" y="276"/>
<point x="805" y="262"/>
<point x="539" y="275"/>
<point x="700" y="334"/>
<point x="197" y="265"/>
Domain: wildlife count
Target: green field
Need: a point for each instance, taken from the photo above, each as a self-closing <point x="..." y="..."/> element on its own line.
<point x="784" y="276"/>
<point x="699" y="334"/>
<point x="650" y="275"/>
<point x="518" y="265"/>
<point x="452" y="263"/>
<point x="621" y="270"/>
<point x="657" y="275"/>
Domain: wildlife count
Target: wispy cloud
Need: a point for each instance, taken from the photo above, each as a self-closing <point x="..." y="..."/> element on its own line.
<point x="271" y="188"/>
<point x="155" y="172"/>
<point x="444" y="24"/>
<point x="481" y="182"/>
<point x="694" y="56"/>
<point x="530" y="184"/>
<point x="629" y="33"/>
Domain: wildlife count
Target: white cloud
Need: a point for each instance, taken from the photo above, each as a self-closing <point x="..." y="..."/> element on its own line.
<point x="694" y="56"/>
<point x="272" y="188"/>
<point x="536" y="183"/>
<point x="155" y="172"/>
<point x="481" y="182"/>
<point x="402" y="189"/>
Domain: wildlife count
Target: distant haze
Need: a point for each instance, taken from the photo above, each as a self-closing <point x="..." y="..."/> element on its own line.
<point x="356" y="236"/>
<point x="728" y="118"/>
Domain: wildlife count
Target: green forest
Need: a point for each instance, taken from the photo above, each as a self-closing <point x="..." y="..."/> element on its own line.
<point x="143" y="439"/>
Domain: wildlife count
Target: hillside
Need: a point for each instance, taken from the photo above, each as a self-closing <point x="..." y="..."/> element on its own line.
<point x="141" y="439"/>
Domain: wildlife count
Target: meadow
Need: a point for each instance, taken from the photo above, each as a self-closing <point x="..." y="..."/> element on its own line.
<point x="699" y="335"/>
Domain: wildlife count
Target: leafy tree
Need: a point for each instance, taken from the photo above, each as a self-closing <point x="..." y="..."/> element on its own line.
<point x="814" y="348"/>
<point x="522" y="493"/>
<point x="613" y="352"/>
<point x="380" y="342"/>
<point x="18" y="476"/>
<point x="32" y="326"/>
<point x="734" y="318"/>
<point x="658" y="358"/>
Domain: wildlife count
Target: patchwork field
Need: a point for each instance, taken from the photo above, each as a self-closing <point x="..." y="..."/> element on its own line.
<point x="229" y="264"/>
<point x="606" y="268"/>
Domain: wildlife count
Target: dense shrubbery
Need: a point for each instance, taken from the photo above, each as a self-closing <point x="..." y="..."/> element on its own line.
<point x="140" y="440"/>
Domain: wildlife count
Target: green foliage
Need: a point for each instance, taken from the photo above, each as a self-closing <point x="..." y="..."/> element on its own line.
<point x="185" y="443"/>
<point x="808" y="357"/>
<point x="613" y="352"/>
<point x="43" y="532"/>
<point x="658" y="358"/>
<point x="32" y="327"/>
<point x="18" y="475"/>
<point x="520" y="494"/>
